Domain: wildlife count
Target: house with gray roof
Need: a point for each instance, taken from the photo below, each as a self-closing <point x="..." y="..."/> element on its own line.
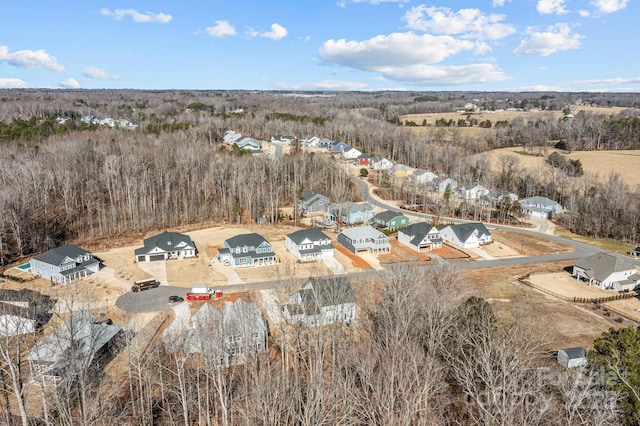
<point x="64" y="264"/>
<point x="351" y="213"/>
<point x="23" y="311"/>
<point x="312" y="202"/>
<point x="166" y="246"/>
<point x="572" y="357"/>
<point x="471" y="191"/>
<point x="420" y="236"/>
<point x="422" y="176"/>
<point x="247" y="250"/>
<point x="381" y="163"/>
<point x="364" y="238"/>
<point x="78" y="343"/>
<point x="607" y="271"/>
<point x="466" y="235"/>
<point x="540" y="207"/>
<point x="309" y="245"/>
<point x="322" y="301"/>
<point x="389" y="220"/>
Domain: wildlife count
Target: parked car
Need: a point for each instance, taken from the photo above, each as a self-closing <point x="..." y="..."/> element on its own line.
<point x="176" y="299"/>
<point x="227" y="263"/>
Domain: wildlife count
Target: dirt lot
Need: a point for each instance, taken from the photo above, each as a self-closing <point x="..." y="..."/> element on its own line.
<point x="629" y="307"/>
<point x="565" y="285"/>
<point x="527" y="245"/>
<point x="355" y="261"/>
<point x="451" y="253"/>
<point x="560" y="323"/>
<point x="402" y="253"/>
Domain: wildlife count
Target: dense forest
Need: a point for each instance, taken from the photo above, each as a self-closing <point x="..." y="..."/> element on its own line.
<point x="67" y="181"/>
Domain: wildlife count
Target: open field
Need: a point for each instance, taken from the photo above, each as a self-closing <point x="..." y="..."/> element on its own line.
<point x="629" y="307"/>
<point x="565" y="285"/>
<point x="401" y="253"/>
<point x="525" y="245"/>
<point x="604" y="244"/>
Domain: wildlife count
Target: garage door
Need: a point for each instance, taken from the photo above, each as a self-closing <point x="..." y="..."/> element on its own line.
<point x="142" y="258"/>
<point x="155" y="257"/>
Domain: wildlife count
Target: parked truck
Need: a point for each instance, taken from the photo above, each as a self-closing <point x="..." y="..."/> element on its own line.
<point x="202" y="293"/>
<point x="145" y="284"/>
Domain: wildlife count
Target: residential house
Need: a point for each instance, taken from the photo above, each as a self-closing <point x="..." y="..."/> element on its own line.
<point x="364" y="238"/>
<point x="322" y="301"/>
<point x="311" y="202"/>
<point x="231" y="136"/>
<point x="351" y="213"/>
<point x="247" y="250"/>
<point x="401" y="171"/>
<point x="497" y="196"/>
<point x="422" y="176"/>
<point x="64" y="264"/>
<point x="309" y="245"/>
<point x="363" y="160"/>
<point x="390" y="220"/>
<point x="351" y="153"/>
<point x="540" y="207"/>
<point x="325" y="143"/>
<point x="23" y="311"/>
<point x="166" y="246"/>
<point x="471" y="191"/>
<point x="339" y="147"/>
<point x="313" y="141"/>
<point x="381" y="163"/>
<point x="447" y="183"/>
<point x="635" y="252"/>
<point x="246" y="142"/>
<point x="466" y="235"/>
<point x="282" y="139"/>
<point x="607" y="271"/>
<point x="223" y="336"/>
<point x="572" y="357"/>
<point x="420" y="236"/>
<point x="78" y="343"/>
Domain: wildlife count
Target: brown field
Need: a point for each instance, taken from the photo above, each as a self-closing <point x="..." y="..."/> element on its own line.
<point x="356" y="261"/>
<point x="401" y="253"/>
<point x="565" y="285"/>
<point x="527" y="245"/>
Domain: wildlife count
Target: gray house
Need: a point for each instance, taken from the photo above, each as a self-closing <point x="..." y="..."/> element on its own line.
<point x="607" y="271"/>
<point x="23" y="311"/>
<point x="364" y="238"/>
<point x="64" y="264"/>
<point x="78" y="343"/>
<point x="572" y="357"/>
<point x="309" y="245"/>
<point x="311" y="202"/>
<point x="351" y="213"/>
<point x="247" y="250"/>
<point x="420" y="236"/>
<point x="540" y="207"/>
<point x="165" y="246"/>
<point x="322" y="301"/>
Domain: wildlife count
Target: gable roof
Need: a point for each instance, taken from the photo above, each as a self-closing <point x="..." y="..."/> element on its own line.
<point x="387" y="215"/>
<point x="56" y="255"/>
<point x="575" y="353"/>
<point x="418" y="230"/>
<point x="464" y="230"/>
<point x="309" y="195"/>
<point x="601" y="265"/>
<point x="312" y="234"/>
<point x="349" y="207"/>
<point x="362" y="232"/>
<point x="541" y="202"/>
<point x="167" y="241"/>
<point x="332" y="291"/>
<point x="248" y="240"/>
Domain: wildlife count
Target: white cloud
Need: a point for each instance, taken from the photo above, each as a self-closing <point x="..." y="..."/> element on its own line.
<point x="538" y="88"/>
<point x="221" y="29"/>
<point x="70" y="83"/>
<point x="610" y="6"/>
<point x="95" y="72"/>
<point x="467" y="22"/>
<point x="584" y="13"/>
<point x="548" y="7"/>
<point x="608" y="81"/>
<point x="12" y="83"/>
<point x="277" y="32"/>
<point x="400" y="49"/>
<point x="30" y="59"/>
<point x="424" y="75"/>
<point x="557" y="38"/>
<point x="323" y="85"/>
<point x="499" y="3"/>
<point x="138" y="17"/>
<point x="343" y="3"/>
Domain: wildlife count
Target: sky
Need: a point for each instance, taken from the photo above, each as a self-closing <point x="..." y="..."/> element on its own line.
<point x="364" y="45"/>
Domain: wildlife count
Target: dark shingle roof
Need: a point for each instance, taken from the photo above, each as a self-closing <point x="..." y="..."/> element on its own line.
<point x="387" y="215"/>
<point x="248" y="240"/>
<point x="312" y="234"/>
<point x="418" y="230"/>
<point x="57" y="255"/>
<point x="600" y="266"/>
<point x="464" y="230"/>
<point x="333" y="291"/>
<point x="167" y="241"/>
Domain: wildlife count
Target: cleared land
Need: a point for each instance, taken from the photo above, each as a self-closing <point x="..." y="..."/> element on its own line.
<point x="524" y="245"/>
<point x="565" y="285"/>
<point x="628" y="307"/>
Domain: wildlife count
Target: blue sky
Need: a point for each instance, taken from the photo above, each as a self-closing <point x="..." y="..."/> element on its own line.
<point x="486" y="45"/>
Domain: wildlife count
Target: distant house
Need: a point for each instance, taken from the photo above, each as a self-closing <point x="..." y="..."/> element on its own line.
<point x="23" y="311"/>
<point x="572" y="357"/>
<point x="282" y="139"/>
<point x="466" y="235"/>
<point x="420" y="236"/>
<point x="381" y="163"/>
<point x="246" y="142"/>
<point x="471" y="191"/>
<point x="351" y="153"/>
<point x="223" y="337"/>
<point x="497" y="196"/>
<point x="247" y="250"/>
<point x="363" y="160"/>
<point x="166" y="246"/>
<point x="313" y="141"/>
<point x="447" y="183"/>
<point x="230" y="136"/>
<point x="351" y="213"/>
<point x="64" y="264"/>
<point x="364" y="238"/>
<point x="423" y="176"/>
<point x="339" y="147"/>
<point x="401" y="171"/>
<point x="607" y="271"/>
<point x="78" y="343"/>
<point x="311" y="202"/>
<point x="322" y="301"/>
<point x="540" y="207"/>
<point x="390" y="220"/>
<point x="309" y="245"/>
<point x="325" y="143"/>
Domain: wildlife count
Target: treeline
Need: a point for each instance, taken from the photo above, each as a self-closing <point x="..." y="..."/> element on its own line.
<point x="418" y="355"/>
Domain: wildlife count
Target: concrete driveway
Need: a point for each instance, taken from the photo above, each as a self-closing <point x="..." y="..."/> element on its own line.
<point x="157" y="270"/>
<point x="230" y="273"/>
<point x="151" y="300"/>
<point x="335" y="266"/>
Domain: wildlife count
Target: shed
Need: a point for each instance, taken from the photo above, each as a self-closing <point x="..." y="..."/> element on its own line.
<point x="572" y="357"/>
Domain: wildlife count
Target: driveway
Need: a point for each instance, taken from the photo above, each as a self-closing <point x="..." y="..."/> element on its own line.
<point x="152" y="300"/>
<point x="157" y="270"/>
<point x="335" y="266"/>
<point x="230" y="273"/>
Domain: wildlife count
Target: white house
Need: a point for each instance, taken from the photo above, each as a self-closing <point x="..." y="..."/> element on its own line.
<point x="165" y="246"/>
<point x="466" y="235"/>
<point x="351" y="153"/>
<point x="448" y="182"/>
<point x="607" y="271"/>
<point x="540" y="207"/>
<point x="23" y="311"/>
<point x="423" y="176"/>
<point x="322" y="301"/>
<point x="420" y="236"/>
<point x="309" y="245"/>
<point x="472" y="191"/>
<point x="381" y="163"/>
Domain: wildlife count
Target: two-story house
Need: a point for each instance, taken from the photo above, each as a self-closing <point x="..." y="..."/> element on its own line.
<point x="364" y="238"/>
<point x="351" y="213"/>
<point x="64" y="264"/>
<point x="466" y="235"/>
<point x="309" y="245"/>
<point x="390" y="220"/>
<point x="322" y="301"/>
<point x="311" y="202"/>
<point x="540" y="207"/>
<point x="166" y="245"/>
<point x="247" y="250"/>
<point x="607" y="271"/>
<point x="420" y="236"/>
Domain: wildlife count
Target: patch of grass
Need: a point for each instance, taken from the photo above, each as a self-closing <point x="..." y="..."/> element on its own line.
<point x="601" y="243"/>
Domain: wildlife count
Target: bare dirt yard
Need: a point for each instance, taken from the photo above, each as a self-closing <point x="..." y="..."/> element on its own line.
<point x="451" y="253"/>
<point x="525" y="245"/>
<point x="401" y="253"/>
<point x="628" y="307"/>
<point x="565" y="285"/>
<point x="560" y="323"/>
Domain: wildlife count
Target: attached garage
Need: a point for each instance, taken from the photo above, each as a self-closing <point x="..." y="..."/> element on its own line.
<point x="154" y="257"/>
